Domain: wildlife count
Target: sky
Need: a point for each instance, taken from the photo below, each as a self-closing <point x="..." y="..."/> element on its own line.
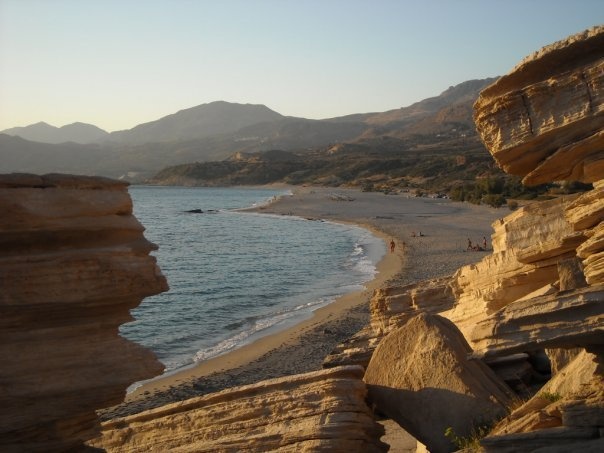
<point x="119" y="63"/>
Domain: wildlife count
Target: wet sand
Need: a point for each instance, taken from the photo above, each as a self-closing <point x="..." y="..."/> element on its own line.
<point x="441" y="249"/>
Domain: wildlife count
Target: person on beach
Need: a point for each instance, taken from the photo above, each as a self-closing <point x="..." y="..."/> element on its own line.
<point x="484" y="242"/>
<point x="469" y="244"/>
<point x="392" y="245"/>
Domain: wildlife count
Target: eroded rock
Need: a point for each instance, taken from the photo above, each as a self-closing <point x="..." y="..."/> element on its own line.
<point x="420" y="376"/>
<point x="391" y="307"/>
<point x="566" y="319"/>
<point x="73" y="262"/>
<point x="317" y="411"/>
<point x="543" y="120"/>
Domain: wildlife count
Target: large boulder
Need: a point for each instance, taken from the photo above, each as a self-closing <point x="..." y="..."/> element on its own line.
<point x="391" y="307"/>
<point x="73" y="262"/>
<point x="317" y="411"/>
<point x="420" y="376"/>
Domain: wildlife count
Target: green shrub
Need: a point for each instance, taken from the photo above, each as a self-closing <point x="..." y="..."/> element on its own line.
<point x="472" y="442"/>
<point x="551" y="397"/>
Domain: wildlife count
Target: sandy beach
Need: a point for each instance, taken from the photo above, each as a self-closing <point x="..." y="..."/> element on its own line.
<point x="445" y="228"/>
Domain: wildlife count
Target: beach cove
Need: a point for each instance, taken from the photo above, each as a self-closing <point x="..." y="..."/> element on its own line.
<point x="445" y="227"/>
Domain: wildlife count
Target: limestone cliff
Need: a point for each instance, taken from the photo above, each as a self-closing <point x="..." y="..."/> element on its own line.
<point x="314" y="412"/>
<point x="73" y="262"/>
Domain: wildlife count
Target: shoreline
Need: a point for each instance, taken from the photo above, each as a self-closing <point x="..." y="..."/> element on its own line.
<point x="387" y="267"/>
<point x="303" y="346"/>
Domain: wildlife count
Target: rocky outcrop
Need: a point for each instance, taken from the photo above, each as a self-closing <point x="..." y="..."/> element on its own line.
<point x="318" y="411"/>
<point x="541" y="288"/>
<point x="566" y="415"/>
<point x="558" y="320"/>
<point x="543" y="120"/>
<point x="390" y="308"/>
<point x="586" y="214"/>
<point x="420" y="376"/>
<point x="73" y="262"/>
<point x="528" y="246"/>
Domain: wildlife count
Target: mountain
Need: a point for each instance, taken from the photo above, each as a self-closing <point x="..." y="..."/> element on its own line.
<point x="464" y="93"/>
<point x="45" y="133"/>
<point x="218" y="130"/>
<point x="24" y="156"/>
<point x="215" y="118"/>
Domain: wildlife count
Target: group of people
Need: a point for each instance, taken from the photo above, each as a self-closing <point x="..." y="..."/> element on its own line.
<point x="473" y="247"/>
<point x="477" y="247"/>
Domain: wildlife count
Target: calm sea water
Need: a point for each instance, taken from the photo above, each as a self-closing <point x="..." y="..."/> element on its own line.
<point x="236" y="276"/>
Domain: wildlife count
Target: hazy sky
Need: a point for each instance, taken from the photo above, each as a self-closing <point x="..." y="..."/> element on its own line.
<point x="119" y="63"/>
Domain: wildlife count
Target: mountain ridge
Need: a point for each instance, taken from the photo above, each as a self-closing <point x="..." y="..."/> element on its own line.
<point x="216" y="131"/>
<point x="43" y="132"/>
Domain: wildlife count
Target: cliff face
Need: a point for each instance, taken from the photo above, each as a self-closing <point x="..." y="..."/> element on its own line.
<point x="73" y="262"/>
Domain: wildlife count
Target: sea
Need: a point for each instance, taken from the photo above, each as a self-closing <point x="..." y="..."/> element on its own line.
<point x="237" y="276"/>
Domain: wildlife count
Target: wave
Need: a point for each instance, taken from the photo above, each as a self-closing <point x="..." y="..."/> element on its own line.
<point x="260" y="326"/>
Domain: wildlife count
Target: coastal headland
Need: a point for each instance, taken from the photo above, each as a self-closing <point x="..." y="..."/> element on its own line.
<point x="430" y="237"/>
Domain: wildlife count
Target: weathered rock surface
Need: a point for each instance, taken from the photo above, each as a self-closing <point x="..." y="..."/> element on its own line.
<point x="420" y="376"/>
<point x="567" y="319"/>
<point x="528" y="245"/>
<point x="73" y="262"/>
<point x="390" y="308"/>
<point x="586" y="214"/>
<point x="543" y="120"/>
<point x="565" y="415"/>
<point x="318" y="411"/>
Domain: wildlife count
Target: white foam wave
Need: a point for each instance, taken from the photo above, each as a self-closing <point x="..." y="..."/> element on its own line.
<point x="259" y="326"/>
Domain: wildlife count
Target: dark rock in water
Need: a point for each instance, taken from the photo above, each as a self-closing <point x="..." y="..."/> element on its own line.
<point x="195" y="211"/>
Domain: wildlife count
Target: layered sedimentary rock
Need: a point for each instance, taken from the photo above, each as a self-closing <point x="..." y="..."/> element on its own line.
<point x="528" y="246"/>
<point x="565" y="415"/>
<point x="420" y="376"/>
<point x="567" y="319"/>
<point x="390" y="308"/>
<point x="318" y="411"/>
<point x="586" y="214"/>
<point x="543" y="120"/>
<point x="73" y="262"/>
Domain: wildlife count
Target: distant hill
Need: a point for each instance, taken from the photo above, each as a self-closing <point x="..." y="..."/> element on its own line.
<point x="218" y="130"/>
<point x="464" y="93"/>
<point x="45" y="133"/>
<point x="24" y="156"/>
<point x="215" y="118"/>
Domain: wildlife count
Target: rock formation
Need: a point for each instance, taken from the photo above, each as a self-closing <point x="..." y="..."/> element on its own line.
<point x="420" y="376"/>
<point x="73" y="262"/>
<point x="318" y="411"/>
<point x="558" y="320"/>
<point x="390" y="308"/>
<point x="541" y="290"/>
<point x="543" y="120"/>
